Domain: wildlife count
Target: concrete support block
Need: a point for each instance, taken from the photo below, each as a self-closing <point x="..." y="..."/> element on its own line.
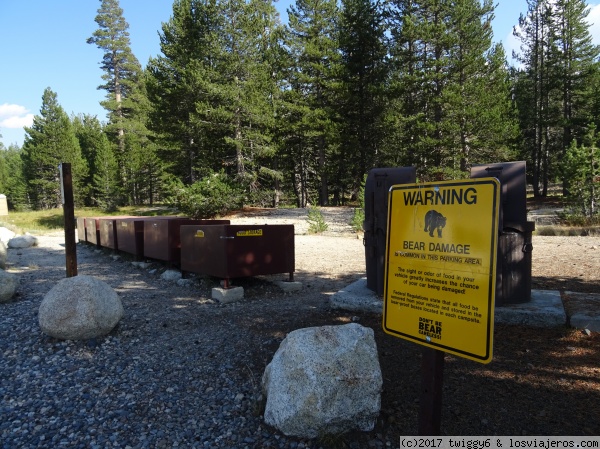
<point x="227" y="295"/>
<point x="357" y="297"/>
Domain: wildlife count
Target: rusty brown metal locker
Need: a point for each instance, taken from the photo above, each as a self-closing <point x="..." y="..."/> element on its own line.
<point x="513" y="271"/>
<point x="162" y="236"/>
<point x="232" y="251"/>
<point x="81" y="231"/>
<point x="107" y="227"/>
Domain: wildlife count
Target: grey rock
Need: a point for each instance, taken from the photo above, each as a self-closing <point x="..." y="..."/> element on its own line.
<point x="8" y="286"/>
<point x="23" y="241"/>
<point x="324" y="380"/>
<point x="80" y="308"/>
<point x="2" y="255"/>
<point x="6" y="234"/>
<point x="171" y="275"/>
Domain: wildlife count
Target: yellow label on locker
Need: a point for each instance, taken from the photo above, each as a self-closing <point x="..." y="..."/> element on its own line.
<point x="250" y="233"/>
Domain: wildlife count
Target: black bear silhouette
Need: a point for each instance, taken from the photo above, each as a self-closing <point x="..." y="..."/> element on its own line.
<point x="434" y="220"/>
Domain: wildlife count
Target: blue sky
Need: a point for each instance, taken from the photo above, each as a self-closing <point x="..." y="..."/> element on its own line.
<point x="44" y="45"/>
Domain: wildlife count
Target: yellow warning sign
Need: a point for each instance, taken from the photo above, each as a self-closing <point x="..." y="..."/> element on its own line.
<point x="250" y="233"/>
<point x="441" y="265"/>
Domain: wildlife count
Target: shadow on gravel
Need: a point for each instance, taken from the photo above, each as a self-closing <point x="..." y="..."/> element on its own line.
<point x="565" y="284"/>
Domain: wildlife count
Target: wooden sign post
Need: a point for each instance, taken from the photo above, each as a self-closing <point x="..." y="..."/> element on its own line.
<point x="66" y="190"/>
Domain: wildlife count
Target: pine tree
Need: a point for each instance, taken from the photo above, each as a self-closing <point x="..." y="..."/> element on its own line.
<point x="50" y="141"/>
<point x="213" y="92"/>
<point x="449" y="92"/>
<point x="362" y="95"/>
<point x="3" y="169"/>
<point x="12" y="181"/>
<point x="243" y="104"/>
<point x="421" y="69"/>
<point x="126" y="100"/>
<point x="106" y="191"/>
<point x="119" y="64"/>
<point x="576" y="62"/>
<point x="179" y="82"/>
<point x="555" y="86"/>
<point x="143" y="170"/>
<point x="536" y="92"/>
<point x="90" y="135"/>
<point x="581" y="165"/>
<point x="103" y="177"/>
<point x="313" y="78"/>
<point x="479" y="120"/>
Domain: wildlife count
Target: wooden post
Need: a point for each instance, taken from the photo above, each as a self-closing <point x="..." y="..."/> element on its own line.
<point x="66" y="181"/>
<point x="432" y="381"/>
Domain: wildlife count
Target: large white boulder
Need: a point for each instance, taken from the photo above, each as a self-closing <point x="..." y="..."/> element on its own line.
<point x="23" y="241"/>
<point x="6" y="234"/>
<point x="8" y="286"/>
<point x="2" y="255"/>
<point x="79" y="308"/>
<point x="324" y="380"/>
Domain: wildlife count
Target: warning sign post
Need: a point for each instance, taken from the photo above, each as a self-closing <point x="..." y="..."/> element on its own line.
<point x="440" y="265"/>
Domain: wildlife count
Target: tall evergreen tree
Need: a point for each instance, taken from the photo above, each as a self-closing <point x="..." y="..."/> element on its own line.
<point x="480" y="122"/>
<point x="50" y="141"/>
<point x="581" y="165"/>
<point x="421" y="36"/>
<point x="126" y="100"/>
<point x="121" y="67"/>
<point x="105" y="180"/>
<point x="103" y="176"/>
<point x="313" y="79"/>
<point x="3" y="170"/>
<point x="142" y="169"/>
<point x="12" y="181"/>
<point x="179" y="80"/>
<point x="555" y="86"/>
<point x="449" y="87"/>
<point x="243" y="102"/>
<point x="362" y="91"/>
<point x="213" y="92"/>
<point x="577" y="63"/>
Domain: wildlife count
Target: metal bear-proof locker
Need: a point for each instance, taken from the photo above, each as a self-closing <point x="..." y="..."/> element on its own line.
<point x="377" y="187"/>
<point x="513" y="272"/>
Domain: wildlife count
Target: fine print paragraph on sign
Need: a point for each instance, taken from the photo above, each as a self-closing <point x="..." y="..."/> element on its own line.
<point x="499" y="442"/>
<point x="440" y="265"/>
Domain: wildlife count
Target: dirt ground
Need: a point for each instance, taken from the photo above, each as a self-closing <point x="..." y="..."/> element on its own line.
<point x="540" y="382"/>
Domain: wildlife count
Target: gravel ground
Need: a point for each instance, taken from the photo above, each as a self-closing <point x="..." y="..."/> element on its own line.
<point x="181" y="370"/>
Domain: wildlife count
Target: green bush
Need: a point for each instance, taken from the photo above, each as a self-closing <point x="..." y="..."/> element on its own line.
<point x="316" y="222"/>
<point x="213" y="196"/>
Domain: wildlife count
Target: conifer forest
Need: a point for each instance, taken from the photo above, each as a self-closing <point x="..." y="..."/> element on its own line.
<point x="240" y="108"/>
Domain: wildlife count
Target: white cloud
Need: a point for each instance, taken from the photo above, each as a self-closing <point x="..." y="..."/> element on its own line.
<point x="14" y="116"/>
<point x="511" y="44"/>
